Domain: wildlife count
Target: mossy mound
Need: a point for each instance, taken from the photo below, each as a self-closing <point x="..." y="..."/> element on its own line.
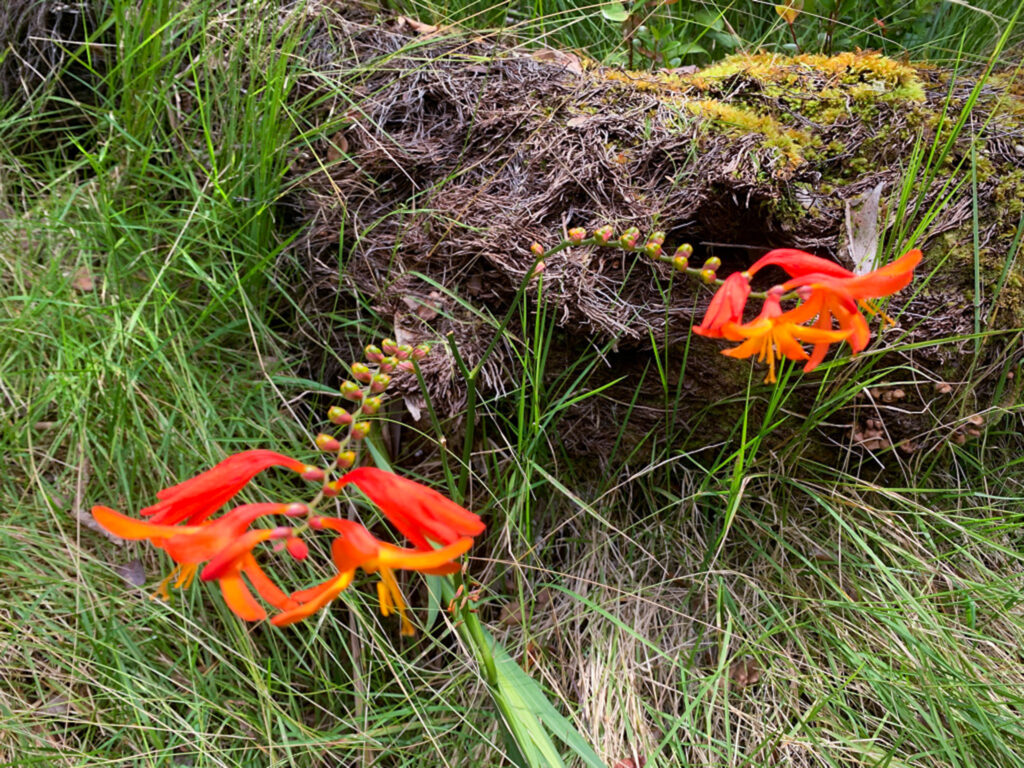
<point x="458" y="154"/>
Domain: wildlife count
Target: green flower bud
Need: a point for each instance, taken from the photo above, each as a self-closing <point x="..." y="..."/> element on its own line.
<point x="380" y="383"/>
<point x="374" y="353"/>
<point x="577" y="235"/>
<point x="339" y="416"/>
<point x="681" y="263"/>
<point x="346" y="459"/>
<point x="361" y="372"/>
<point x="604" y="234"/>
<point x="713" y="263"/>
<point x="351" y="391"/>
<point x="327" y="443"/>
<point x="371" y="405"/>
<point x="360" y="430"/>
<point x="685" y="250"/>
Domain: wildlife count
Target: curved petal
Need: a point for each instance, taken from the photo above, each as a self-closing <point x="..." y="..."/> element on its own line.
<point x="414" y="560"/>
<point x="240" y="599"/>
<point x="798" y="263"/>
<point x="324" y="596"/>
<point x="125" y="527"/>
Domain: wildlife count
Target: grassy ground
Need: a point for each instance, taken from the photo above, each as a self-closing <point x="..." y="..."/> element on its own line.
<point x="733" y="607"/>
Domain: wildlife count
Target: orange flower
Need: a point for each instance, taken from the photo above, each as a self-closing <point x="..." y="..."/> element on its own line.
<point x="420" y="513"/>
<point x="196" y="499"/>
<point x="726" y="305"/>
<point x="774" y="334"/>
<point x="832" y="298"/>
<point x="356" y="547"/>
<point x="225" y="542"/>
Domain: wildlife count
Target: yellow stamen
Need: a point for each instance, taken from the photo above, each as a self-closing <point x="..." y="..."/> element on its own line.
<point x="389" y="585"/>
<point x="871" y="309"/>
<point x="182" y="576"/>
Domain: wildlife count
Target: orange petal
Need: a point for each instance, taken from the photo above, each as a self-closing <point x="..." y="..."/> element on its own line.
<point x="413" y="560"/>
<point x="240" y="599"/>
<point x="264" y="587"/>
<point x="332" y="590"/>
<point x="126" y="527"/>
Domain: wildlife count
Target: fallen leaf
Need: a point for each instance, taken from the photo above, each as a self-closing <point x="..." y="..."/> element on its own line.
<point x="744" y="673"/>
<point x="862" y="229"/>
<point x="337" y="148"/>
<point x="133" y="572"/>
<point x="567" y="61"/>
<point x="83" y="280"/>
<point x="418" y="27"/>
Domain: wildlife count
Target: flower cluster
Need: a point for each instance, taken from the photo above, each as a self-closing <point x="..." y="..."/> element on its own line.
<point x="831" y="296"/>
<point x="830" y="293"/>
<point x="182" y="522"/>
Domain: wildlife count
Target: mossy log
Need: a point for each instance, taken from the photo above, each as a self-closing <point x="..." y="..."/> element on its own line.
<point x="456" y="155"/>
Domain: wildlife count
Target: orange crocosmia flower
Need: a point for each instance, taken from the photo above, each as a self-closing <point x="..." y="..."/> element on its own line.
<point x="197" y="498"/>
<point x="420" y="513"/>
<point x="830" y="298"/>
<point x="225" y="542"/>
<point x="726" y="306"/>
<point x="799" y="263"/>
<point x="355" y="547"/>
<point x="773" y="334"/>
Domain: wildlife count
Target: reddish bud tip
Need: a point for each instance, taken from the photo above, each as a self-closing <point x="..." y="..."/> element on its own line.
<point x="316" y="522"/>
<point x="296" y="510"/>
<point x="653" y="249"/>
<point x="707" y="275"/>
<point x="360" y="430"/>
<point x="297" y="548"/>
<point x="351" y="390"/>
<point x="421" y="351"/>
<point x="538" y="270"/>
<point x="330" y="490"/>
<point x="537" y="249"/>
<point x="685" y="250"/>
<point x="656" y="237"/>
<point x="339" y="416"/>
<point x="577" y="235"/>
<point x="713" y="263"/>
<point x="681" y="263"/>
<point x="371" y="406"/>
<point x="374" y="353"/>
<point x="327" y="443"/>
<point x="403" y="352"/>
<point x="314" y="474"/>
<point x="604" y="234"/>
<point x="628" y="238"/>
<point x="387" y="365"/>
<point x="361" y="372"/>
<point x="407" y="365"/>
<point x="380" y="383"/>
<point x="345" y="460"/>
<point x="389" y="346"/>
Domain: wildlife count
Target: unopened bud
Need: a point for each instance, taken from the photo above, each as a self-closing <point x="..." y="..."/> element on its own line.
<point x="360" y="430"/>
<point x="653" y="249"/>
<point x="389" y="346"/>
<point x="327" y="443"/>
<point x="296" y="509"/>
<point x="538" y="269"/>
<point x="403" y="352"/>
<point x="297" y="548"/>
<point x="713" y="263"/>
<point x="656" y="237"/>
<point x="346" y="459"/>
<point x="537" y="249"/>
<point x="380" y="383"/>
<point x="371" y="405"/>
<point x="339" y="416"/>
<point x="387" y="365"/>
<point x="330" y="490"/>
<point x="373" y="353"/>
<point x="361" y="372"/>
<point x="314" y="474"/>
<point x="316" y="522"/>
<point x="351" y="390"/>
<point x="421" y="351"/>
<point x="707" y="275"/>
<point x="685" y="250"/>
<point x="407" y="365"/>
<point x="604" y="234"/>
<point x="628" y="238"/>
<point x="681" y="263"/>
<point x="577" y="235"/>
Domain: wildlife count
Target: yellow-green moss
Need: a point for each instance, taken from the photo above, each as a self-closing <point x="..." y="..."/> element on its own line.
<point x="789" y="142"/>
